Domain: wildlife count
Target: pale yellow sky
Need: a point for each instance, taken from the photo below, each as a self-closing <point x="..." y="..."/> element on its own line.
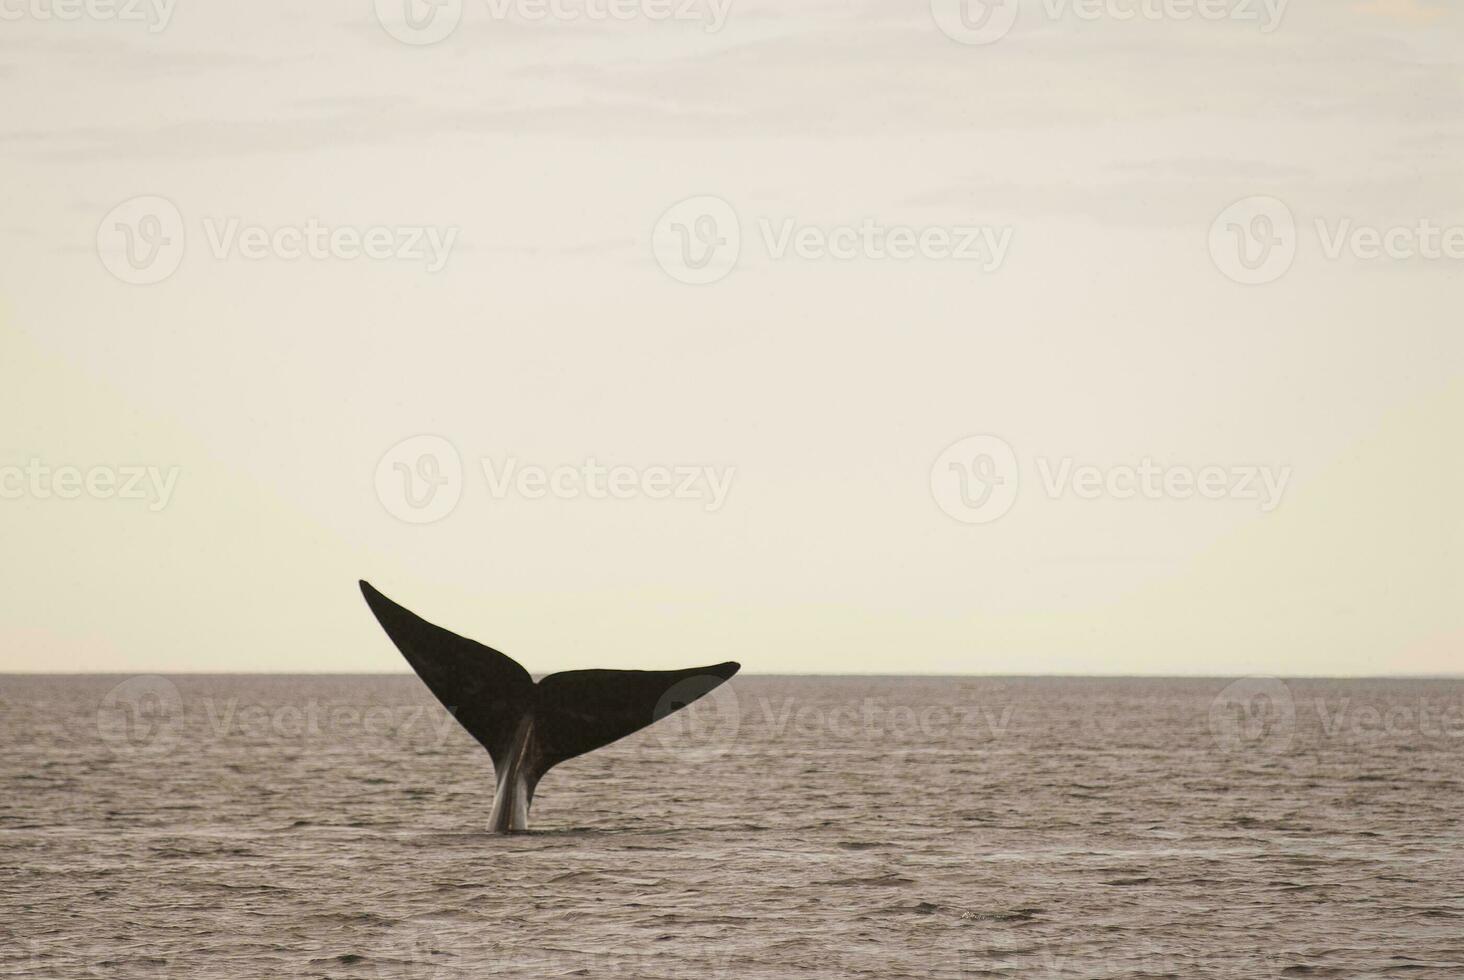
<point x="811" y="406"/>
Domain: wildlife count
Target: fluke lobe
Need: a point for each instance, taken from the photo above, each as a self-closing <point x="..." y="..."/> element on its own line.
<point x="529" y="728"/>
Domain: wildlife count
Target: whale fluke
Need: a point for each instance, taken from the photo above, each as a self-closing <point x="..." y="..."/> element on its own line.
<point x="529" y="728"/>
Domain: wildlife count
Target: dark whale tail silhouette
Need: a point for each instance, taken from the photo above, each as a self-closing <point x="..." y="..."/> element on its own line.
<point x="529" y="728"/>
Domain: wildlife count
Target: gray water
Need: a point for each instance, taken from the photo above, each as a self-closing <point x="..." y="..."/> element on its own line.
<point x="218" y="826"/>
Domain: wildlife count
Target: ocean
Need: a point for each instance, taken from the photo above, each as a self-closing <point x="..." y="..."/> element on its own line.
<point x="211" y="826"/>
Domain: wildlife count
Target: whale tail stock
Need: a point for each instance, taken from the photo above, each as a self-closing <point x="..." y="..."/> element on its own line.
<point x="529" y="728"/>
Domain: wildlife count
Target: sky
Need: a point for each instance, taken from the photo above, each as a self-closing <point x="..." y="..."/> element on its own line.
<point x="1045" y="337"/>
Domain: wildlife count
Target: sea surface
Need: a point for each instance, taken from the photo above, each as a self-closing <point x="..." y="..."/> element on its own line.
<point x="273" y="826"/>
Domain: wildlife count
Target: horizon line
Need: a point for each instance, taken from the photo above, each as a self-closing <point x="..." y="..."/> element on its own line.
<point x="745" y="673"/>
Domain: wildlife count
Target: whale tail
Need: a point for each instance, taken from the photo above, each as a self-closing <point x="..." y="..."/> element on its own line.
<point x="529" y="728"/>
